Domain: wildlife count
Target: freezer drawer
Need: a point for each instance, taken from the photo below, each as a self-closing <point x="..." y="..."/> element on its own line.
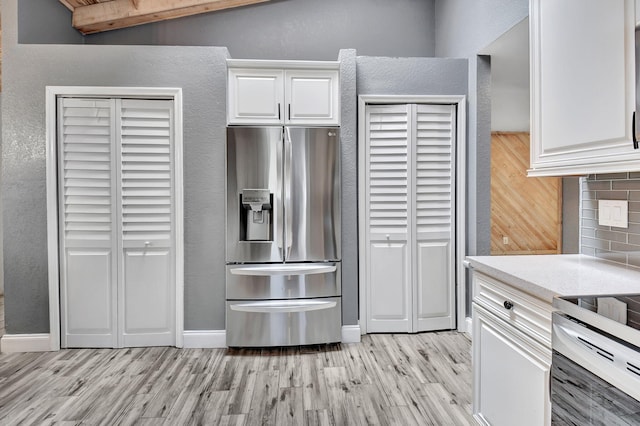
<point x="284" y="322"/>
<point x="283" y="281"/>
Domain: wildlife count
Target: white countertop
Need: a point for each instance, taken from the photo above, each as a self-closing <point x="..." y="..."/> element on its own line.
<point x="546" y="276"/>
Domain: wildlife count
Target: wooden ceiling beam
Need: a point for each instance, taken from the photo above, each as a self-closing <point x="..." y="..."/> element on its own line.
<point x="111" y="15"/>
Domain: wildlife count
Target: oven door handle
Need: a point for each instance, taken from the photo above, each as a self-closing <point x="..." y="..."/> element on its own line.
<point x="271" y="270"/>
<point x="282" y="306"/>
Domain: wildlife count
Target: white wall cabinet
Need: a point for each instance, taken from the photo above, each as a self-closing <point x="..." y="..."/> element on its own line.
<point x="511" y="355"/>
<point x="582" y="87"/>
<point x="407" y="218"/>
<point x="291" y="96"/>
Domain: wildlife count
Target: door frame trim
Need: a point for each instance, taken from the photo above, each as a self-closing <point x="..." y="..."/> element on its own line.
<point x="460" y="226"/>
<point x="52" y="93"/>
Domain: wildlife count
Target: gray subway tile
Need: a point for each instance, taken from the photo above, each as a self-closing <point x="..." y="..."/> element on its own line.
<point x="611" y="195"/>
<point x="596" y="243"/>
<point x="620" y="237"/>
<point x="620" y="247"/>
<point x="634" y="217"/>
<point x="614" y="257"/>
<point x="626" y="185"/>
<point x="602" y="185"/>
<point x="612" y="176"/>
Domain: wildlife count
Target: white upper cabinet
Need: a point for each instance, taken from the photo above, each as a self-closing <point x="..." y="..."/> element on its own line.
<point x="255" y="96"/>
<point x="582" y="86"/>
<point x="289" y="93"/>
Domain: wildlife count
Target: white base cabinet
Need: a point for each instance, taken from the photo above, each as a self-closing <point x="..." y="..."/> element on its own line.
<point x="511" y="355"/>
<point x="582" y="87"/>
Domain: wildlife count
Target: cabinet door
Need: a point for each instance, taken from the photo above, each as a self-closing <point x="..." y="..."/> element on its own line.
<point x="511" y="374"/>
<point x="255" y="96"/>
<point x="582" y="86"/>
<point x="312" y="97"/>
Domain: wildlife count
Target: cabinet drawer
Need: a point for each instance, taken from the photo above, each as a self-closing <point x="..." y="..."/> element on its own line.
<point x="523" y="311"/>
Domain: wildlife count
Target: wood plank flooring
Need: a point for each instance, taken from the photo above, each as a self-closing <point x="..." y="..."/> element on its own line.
<point x="1" y="315"/>
<point x="401" y="379"/>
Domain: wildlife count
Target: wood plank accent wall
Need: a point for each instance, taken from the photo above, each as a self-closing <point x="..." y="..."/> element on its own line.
<point x="527" y="211"/>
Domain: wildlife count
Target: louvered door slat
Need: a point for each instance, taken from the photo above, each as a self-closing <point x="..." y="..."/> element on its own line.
<point x="146" y="171"/>
<point x="91" y="159"/>
<point x="388" y="170"/>
<point x="434" y="169"/>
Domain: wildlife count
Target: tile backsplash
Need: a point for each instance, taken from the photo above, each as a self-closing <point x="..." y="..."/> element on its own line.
<point x="616" y="244"/>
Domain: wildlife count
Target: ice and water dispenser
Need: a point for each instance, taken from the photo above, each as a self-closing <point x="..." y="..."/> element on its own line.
<point x="256" y="215"/>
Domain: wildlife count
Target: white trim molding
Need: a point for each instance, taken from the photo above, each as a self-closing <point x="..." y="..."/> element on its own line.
<point x="351" y="334"/>
<point x="52" y="93"/>
<point x="209" y="339"/>
<point x="461" y="178"/>
<point x="14" y="343"/>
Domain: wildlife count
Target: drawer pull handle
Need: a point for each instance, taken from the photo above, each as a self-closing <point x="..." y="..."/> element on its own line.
<point x="508" y="305"/>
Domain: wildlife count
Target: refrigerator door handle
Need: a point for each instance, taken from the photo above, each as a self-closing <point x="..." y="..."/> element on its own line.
<point x="274" y="270"/>
<point x="285" y="306"/>
<point x="288" y="231"/>
<point x="280" y="214"/>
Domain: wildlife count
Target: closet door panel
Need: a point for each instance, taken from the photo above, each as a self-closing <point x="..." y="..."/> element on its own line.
<point x="434" y="194"/>
<point x="389" y="308"/>
<point x="388" y="276"/>
<point x="147" y="298"/>
<point x="86" y="213"/>
<point x="146" y="288"/>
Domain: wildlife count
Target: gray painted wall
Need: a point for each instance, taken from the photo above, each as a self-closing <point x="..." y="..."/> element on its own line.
<point x="411" y="76"/>
<point x="27" y="69"/>
<point x="464" y="29"/>
<point x="279" y="29"/>
<point x="201" y="73"/>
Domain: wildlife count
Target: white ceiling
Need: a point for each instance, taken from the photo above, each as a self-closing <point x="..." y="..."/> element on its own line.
<point x="510" y="79"/>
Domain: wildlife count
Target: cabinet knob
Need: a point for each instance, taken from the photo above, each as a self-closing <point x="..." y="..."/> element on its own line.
<point x="147" y="243"/>
<point x="508" y="305"/>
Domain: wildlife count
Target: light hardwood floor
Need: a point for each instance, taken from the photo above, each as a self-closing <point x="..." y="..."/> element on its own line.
<point x="419" y="379"/>
<point x="1" y="315"/>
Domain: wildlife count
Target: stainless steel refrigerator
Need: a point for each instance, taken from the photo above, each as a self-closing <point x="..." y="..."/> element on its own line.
<point x="283" y="255"/>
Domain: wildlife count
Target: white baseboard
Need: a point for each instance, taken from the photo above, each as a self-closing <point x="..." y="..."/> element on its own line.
<point x="351" y="334"/>
<point x="11" y="343"/>
<point x="469" y="324"/>
<point x="210" y="339"/>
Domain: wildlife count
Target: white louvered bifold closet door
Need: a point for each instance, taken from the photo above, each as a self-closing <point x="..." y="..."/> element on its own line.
<point x="116" y="222"/>
<point x="434" y="195"/>
<point x="146" y="291"/>
<point x="88" y="239"/>
<point x="409" y="191"/>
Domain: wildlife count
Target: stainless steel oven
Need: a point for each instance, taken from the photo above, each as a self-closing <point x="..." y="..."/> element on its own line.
<point x="595" y="370"/>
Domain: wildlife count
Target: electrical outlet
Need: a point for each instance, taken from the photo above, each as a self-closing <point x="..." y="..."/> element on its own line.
<point x="613" y="213"/>
<point x="505" y="240"/>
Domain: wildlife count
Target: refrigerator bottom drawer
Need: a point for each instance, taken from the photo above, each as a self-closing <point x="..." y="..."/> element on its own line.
<point x="288" y="322"/>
